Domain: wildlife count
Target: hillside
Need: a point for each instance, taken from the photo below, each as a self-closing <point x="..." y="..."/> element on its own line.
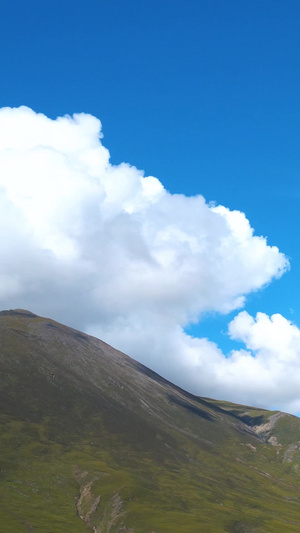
<point x="91" y="440"/>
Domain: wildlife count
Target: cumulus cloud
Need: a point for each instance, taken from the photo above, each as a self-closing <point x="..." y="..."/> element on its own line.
<point x="272" y="358"/>
<point x="105" y="249"/>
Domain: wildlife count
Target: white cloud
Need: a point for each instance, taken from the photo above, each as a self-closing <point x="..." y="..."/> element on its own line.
<point x="107" y="250"/>
<point x="273" y="357"/>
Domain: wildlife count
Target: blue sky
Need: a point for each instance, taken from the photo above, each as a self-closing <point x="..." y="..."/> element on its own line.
<point x="203" y="95"/>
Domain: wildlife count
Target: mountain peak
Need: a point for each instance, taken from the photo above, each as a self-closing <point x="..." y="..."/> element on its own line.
<point x="18" y="312"/>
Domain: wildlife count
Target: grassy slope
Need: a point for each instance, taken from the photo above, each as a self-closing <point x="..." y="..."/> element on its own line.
<point x="82" y="421"/>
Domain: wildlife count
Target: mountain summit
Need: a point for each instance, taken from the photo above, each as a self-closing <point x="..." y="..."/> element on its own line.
<point x="92" y="440"/>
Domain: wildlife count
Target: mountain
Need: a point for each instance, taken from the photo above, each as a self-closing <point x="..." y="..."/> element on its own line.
<point x="92" y="440"/>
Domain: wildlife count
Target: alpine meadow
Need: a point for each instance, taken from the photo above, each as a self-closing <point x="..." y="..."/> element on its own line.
<point x="91" y="440"/>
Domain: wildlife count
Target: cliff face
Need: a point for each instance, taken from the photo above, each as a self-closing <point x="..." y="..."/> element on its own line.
<point x="93" y="440"/>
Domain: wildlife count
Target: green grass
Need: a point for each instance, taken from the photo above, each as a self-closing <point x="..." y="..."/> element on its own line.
<point x="180" y="465"/>
<point x="212" y="490"/>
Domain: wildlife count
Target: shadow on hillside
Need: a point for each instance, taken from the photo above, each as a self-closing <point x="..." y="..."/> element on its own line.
<point x="190" y="407"/>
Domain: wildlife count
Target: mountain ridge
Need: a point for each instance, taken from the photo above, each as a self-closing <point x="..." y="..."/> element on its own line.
<point x="133" y="451"/>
